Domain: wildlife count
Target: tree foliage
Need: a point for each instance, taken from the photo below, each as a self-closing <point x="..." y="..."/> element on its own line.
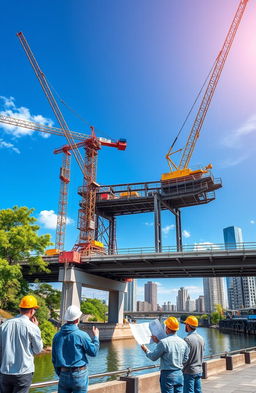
<point x="19" y="240"/>
<point x="47" y="332"/>
<point x="51" y="296"/>
<point x="94" y="307"/>
<point x="10" y="283"/>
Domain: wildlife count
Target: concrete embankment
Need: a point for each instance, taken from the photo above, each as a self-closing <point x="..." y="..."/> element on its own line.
<point x="109" y="332"/>
<point x="231" y="373"/>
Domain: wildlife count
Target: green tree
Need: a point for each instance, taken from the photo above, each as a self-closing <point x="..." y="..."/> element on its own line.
<point x="19" y="240"/>
<point x="215" y="318"/>
<point x="94" y="307"/>
<point x="51" y="296"/>
<point x="47" y="332"/>
<point x="10" y="283"/>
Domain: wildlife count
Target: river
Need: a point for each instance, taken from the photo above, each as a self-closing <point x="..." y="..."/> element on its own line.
<point x="122" y="354"/>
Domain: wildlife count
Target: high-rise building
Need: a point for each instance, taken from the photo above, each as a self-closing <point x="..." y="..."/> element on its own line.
<point x="150" y="294"/>
<point x="130" y="296"/>
<point x="143" y="306"/>
<point x="213" y="293"/>
<point x="190" y="305"/>
<point x="181" y="299"/>
<point x="200" y="304"/>
<point x="241" y="290"/>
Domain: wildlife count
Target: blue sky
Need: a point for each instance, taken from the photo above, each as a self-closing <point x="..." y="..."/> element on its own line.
<point x="131" y="69"/>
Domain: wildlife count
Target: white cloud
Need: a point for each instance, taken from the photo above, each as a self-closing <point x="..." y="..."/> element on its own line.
<point x="233" y="139"/>
<point x="229" y="162"/>
<point x="205" y="246"/>
<point x="149" y="224"/>
<point x="252" y="222"/>
<point x="22" y="113"/>
<point x="186" y="234"/>
<point x="48" y="218"/>
<point x="6" y="145"/>
<point x="168" y="228"/>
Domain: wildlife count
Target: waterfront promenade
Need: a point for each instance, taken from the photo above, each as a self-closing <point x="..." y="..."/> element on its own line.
<point x="240" y="380"/>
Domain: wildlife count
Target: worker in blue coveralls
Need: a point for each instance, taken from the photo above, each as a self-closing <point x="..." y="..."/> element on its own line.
<point x="69" y="353"/>
<point x="173" y="352"/>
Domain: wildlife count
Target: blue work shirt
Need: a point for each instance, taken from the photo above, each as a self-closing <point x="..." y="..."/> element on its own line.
<point x="70" y="347"/>
<point x="172" y="350"/>
<point x="20" y="340"/>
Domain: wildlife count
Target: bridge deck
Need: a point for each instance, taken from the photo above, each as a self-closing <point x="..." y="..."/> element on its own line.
<point x="213" y="263"/>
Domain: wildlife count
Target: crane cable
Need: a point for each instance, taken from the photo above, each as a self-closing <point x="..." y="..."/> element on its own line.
<point x="192" y="107"/>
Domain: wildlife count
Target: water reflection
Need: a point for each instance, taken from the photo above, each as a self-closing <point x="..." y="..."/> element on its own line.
<point x="122" y="354"/>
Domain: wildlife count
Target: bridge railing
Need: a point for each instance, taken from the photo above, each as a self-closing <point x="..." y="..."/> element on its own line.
<point x="188" y="248"/>
<point x="129" y="370"/>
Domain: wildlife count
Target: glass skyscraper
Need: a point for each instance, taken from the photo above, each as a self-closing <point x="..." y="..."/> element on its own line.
<point x="241" y="290"/>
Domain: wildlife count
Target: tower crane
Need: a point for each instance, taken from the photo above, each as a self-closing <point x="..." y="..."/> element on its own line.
<point x="91" y="143"/>
<point x="181" y="171"/>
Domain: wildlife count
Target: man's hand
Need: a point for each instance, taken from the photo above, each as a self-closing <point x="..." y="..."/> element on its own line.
<point x="144" y="348"/>
<point x="34" y="320"/>
<point x="155" y="339"/>
<point x="95" y="331"/>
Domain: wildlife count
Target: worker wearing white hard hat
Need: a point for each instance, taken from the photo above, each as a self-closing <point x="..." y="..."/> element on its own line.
<point x="69" y="352"/>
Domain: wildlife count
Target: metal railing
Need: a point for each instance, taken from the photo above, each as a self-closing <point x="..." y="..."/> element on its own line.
<point x="129" y="370"/>
<point x="195" y="248"/>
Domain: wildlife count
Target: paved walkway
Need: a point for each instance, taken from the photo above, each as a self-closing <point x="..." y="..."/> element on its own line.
<point x="240" y="380"/>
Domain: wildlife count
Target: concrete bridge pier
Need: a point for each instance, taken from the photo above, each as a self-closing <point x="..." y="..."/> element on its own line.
<point x="74" y="279"/>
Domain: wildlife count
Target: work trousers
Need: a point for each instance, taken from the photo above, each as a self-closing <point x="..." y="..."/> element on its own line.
<point x="192" y="383"/>
<point x="73" y="382"/>
<point x="15" y="383"/>
<point x="171" y="381"/>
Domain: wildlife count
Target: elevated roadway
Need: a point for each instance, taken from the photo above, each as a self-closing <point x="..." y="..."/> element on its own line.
<point x="144" y="263"/>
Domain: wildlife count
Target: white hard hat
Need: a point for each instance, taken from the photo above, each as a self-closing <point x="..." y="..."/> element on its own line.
<point x="72" y="313"/>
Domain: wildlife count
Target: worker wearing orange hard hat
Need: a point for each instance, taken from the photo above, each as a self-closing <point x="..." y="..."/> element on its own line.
<point x="20" y="340"/>
<point x="173" y="352"/>
<point x="193" y="367"/>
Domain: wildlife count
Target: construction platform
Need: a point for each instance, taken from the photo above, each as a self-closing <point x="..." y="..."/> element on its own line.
<point x="132" y="198"/>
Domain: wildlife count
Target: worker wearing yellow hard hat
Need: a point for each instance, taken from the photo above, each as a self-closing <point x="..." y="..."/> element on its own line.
<point x="193" y="367"/>
<point x="22" y="340"/>
<point x="172" y="351"/>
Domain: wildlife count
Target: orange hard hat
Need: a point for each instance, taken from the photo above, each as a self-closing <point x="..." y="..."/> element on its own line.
<point x="28" y="301"/>
<point x="172" y="323"/>
<point x="192" y="321"/>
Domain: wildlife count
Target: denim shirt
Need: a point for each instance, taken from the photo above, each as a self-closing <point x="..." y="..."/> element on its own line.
<point x="71" y="346"/>
<point x="20" y="340"/>
<point x="173" y="351"/>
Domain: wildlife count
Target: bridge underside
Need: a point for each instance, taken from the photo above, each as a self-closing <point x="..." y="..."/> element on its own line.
<point x="228" y="263"/>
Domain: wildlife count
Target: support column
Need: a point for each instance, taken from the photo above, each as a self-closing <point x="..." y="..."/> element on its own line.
<point x="178" y="229"/>
<point x="157" y="219"/>
<point x="112" y="235"/>
<point x="71" y="293"/>
<point x="116" y="307"/>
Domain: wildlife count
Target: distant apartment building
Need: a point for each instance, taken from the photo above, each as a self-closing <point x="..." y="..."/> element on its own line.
<point x="241" y="290"/>
<point x="190" y="305"/>
<point x="168" y="307"/>
<point x="150" y="294"/>
<point x="181" y="299"/>
<point x="130" y="296"/>
<point x="214" y="293"/>
<point x="143" y="306"/>
<point x="200" y="304"/>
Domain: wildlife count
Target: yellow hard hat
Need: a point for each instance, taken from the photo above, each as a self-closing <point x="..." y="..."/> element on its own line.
<point x="192" y="321"/>
<point x="28" y="301"/>
<point x="172" y="323"/>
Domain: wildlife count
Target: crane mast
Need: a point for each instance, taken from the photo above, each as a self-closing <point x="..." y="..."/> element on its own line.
<point x="182" y="170"/>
